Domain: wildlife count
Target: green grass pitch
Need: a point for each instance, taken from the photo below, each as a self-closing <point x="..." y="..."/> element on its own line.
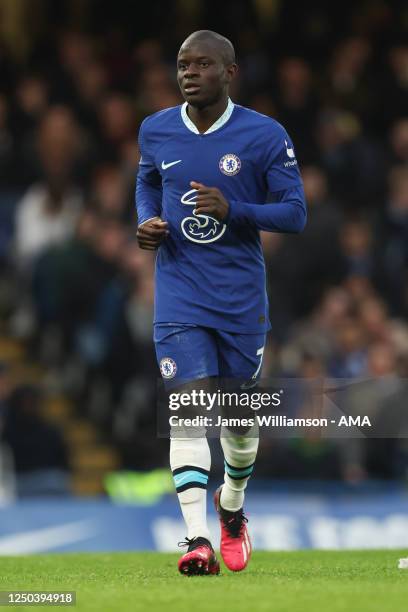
<point x="315" y="581"/>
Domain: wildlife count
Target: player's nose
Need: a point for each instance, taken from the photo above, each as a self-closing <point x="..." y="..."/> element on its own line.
<point x="191" y="71"/>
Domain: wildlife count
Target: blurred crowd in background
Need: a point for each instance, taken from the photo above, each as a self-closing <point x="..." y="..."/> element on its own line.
<point x="76" y="80"/>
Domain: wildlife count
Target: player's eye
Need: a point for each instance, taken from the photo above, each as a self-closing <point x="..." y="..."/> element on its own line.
<point x="182" y="66"/>
<point x="204" y="64"/>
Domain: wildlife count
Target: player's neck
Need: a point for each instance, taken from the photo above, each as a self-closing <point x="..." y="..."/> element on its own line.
<point x="203" y="118"/>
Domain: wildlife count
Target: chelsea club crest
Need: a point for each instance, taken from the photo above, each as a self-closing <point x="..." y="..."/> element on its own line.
<point x="168" y="367"/>
<point x="230" y="164"/>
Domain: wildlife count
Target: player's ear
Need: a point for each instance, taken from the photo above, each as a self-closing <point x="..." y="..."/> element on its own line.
<point x="231" y="72"/>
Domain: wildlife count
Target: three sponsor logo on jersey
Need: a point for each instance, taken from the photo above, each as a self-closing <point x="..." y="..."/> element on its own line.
<point x="200" y="228"/>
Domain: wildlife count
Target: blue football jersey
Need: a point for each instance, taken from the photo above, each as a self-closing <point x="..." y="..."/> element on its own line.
<point x="212" y="273"/>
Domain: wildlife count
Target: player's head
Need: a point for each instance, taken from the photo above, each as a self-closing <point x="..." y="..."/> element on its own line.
<point x="205" y="67"/>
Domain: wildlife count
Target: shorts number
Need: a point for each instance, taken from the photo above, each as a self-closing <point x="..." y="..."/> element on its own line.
<point x="260" y="352"/>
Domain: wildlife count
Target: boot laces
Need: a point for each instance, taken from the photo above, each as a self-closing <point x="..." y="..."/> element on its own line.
<point x="193" y="543"/>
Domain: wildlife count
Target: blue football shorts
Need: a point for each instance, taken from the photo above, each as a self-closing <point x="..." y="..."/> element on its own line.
<point x="187" y="352"/>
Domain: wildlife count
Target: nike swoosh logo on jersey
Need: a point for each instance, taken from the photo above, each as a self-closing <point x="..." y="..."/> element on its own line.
<point x="165" y="166"/>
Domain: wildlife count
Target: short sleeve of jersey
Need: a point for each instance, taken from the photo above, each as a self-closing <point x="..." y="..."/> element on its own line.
<point x="281" y="166"/>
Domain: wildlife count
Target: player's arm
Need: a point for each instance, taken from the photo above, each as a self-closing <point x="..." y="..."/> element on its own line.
<point x="286" y="214"/>
<point x="151" y="230"/>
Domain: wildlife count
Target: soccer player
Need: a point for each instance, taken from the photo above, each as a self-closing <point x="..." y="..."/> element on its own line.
<point x="205" y="172"/>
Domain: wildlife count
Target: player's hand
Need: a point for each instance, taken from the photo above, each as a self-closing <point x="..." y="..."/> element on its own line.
<point x="210" y="201"/>
<point x="152" y="233"/>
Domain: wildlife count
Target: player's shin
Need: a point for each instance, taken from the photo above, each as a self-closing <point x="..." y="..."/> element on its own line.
<point x="239" y="458"/>
<point x="190" y="461"/>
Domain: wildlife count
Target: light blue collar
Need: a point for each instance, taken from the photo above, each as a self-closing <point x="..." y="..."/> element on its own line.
<point x="215" y="126"/>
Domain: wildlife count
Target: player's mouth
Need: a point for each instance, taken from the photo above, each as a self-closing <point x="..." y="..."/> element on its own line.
<point x="191" y="88"/>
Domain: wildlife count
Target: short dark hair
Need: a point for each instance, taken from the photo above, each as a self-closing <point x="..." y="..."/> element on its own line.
<point x="223" y="45"/>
